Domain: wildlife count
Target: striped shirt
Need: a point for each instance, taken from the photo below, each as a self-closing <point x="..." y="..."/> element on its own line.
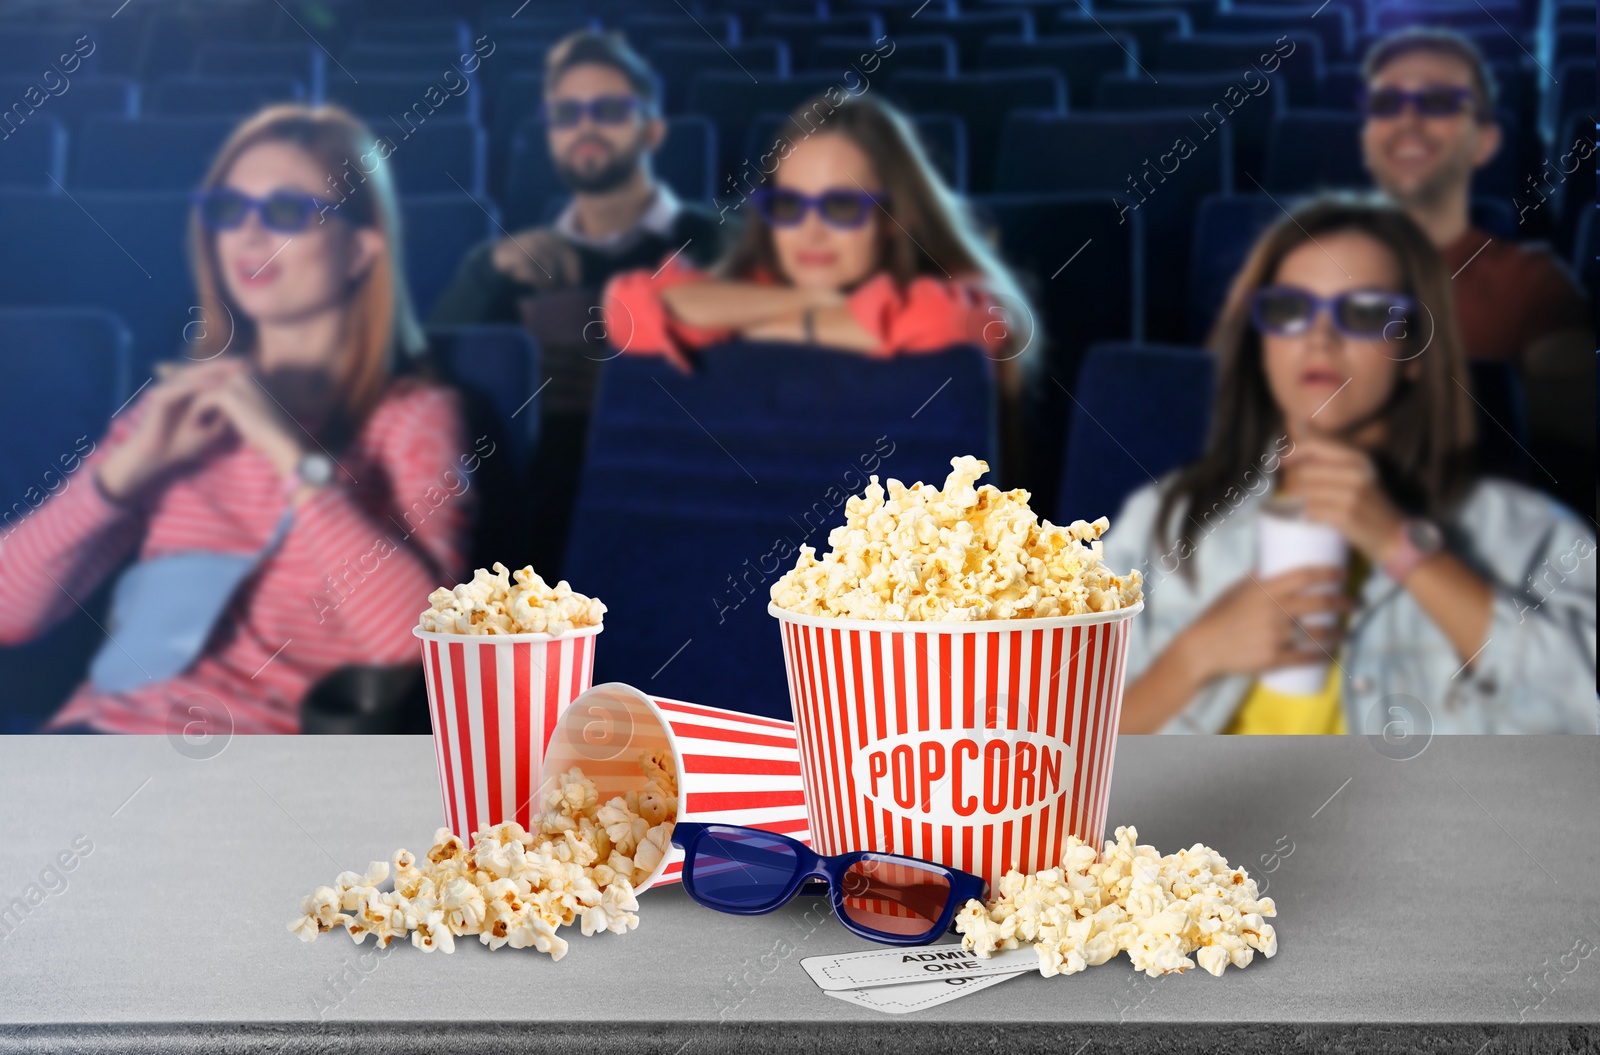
<point x="344" y="587"/>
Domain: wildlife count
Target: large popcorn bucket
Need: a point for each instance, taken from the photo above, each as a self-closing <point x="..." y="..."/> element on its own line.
<point x="975" y="745"/>
<point x="494" y="700"/>
<point x="733" y="768"/>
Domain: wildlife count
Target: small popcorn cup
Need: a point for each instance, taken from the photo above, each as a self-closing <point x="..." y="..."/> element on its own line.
<point x="494" y="700"/>
<point x="974" y="745"/>
<point x="733" y="768"/>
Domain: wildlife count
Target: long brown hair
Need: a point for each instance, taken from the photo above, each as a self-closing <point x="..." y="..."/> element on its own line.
<point x="383" y="324"/>
<point x="1426" y="464"/>
<point x="930" y="231"/>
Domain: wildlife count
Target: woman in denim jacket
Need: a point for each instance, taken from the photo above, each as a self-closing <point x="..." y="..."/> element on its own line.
<point x="1468" y="603"/>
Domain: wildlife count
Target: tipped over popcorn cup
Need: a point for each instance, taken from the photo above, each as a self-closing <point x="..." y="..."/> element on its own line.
<point x="501" y="661"/>
<point x="956" y="671"/>
<point x="731" y="768"/>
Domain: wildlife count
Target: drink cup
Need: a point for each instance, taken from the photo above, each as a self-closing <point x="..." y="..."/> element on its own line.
<point x="1287" y="541"/>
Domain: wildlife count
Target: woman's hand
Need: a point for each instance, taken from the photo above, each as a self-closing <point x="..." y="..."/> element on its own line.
<point x="169" y="434"/>
<point x="241" y="402"/>
<point x="1340" y="487"/>
<point x="1256" y="625"/>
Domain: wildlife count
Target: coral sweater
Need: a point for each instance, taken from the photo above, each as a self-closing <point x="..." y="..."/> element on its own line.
<point x="929" y="315"/>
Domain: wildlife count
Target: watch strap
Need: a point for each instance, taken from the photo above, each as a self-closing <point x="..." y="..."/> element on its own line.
<point x="1405" y="559"/>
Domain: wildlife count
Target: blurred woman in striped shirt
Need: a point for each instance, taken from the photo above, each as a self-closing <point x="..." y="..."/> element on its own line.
<point x="293" y="402"/>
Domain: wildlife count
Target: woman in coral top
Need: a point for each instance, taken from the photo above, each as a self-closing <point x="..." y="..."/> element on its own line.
<point x="854" y="243"/>
<point x="288" y="419"/>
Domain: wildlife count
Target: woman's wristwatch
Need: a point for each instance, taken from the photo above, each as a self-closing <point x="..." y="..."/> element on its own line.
<point x="1419" y="540"/>
<point x="314" y="469"/>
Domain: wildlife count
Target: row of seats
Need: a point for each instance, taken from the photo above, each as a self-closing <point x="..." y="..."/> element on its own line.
<point x="1281" y="149"/>
<point x="230" y="78"/>
<point x="124" y="251"/>
<point x="354" y="38"/>
<point x="796" y="431"/>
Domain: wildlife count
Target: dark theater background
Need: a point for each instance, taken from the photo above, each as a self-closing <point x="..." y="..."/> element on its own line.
<point x="1123" y="155"/>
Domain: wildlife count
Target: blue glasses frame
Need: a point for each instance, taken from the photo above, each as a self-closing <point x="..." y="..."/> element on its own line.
<point x="815" y="874"/>
<point x="1334" y="305"/>
<point x="310" y="205"/>
<point x="569" y="113"/>
<point x="767" y="196"/>
<point x="1459" y="99"/>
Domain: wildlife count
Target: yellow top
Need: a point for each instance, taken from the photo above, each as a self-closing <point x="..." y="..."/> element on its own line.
<point x="1266" y="710"/>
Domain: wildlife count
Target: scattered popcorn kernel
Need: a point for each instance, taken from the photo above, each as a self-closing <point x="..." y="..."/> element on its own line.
<point x="515" y="887"/>
<point x="1129" y="899"/>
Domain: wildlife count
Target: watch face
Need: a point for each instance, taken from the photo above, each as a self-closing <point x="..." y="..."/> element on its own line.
<point x="1425" y="535"/>
<point x="316" y="469"/>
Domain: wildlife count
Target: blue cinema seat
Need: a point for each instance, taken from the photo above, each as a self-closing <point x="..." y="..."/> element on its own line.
<point x="385" y="97"/>
<point x="120" y="251"/>
<point x="1148" y="27"/>
<point x="34" y="156"/>
<point x="1211" y="98"/>
<point x="1087" y="272"/>
<point x="437" y="230"/>
<point x="697" y="490"/>
<point x="1115" y="444"/>
<point x="146" y="154"/>
<point x="80" y="98"/>
<point x="676" y="61"/>
<point x="1299" y="58"/>
<point x="305" y="62"/>
<point x="1122" y="155"/>
<point x="496" y="370"/>
<point x="236" y="97"/>
<point x="64" y="373"/>
<point x="1082" y="60"/>
<point x="980" y="100"/>
<point x="930" y="54"/>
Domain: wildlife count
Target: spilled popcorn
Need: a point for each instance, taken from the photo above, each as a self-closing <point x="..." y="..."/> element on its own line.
<point x="514" y="887"/>
<point x="491" y="604"/>
<point x="953" y="555"/>
<point x="1156" y="909"/>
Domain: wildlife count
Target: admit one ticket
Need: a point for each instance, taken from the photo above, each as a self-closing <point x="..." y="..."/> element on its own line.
<point x="865" y="970"/>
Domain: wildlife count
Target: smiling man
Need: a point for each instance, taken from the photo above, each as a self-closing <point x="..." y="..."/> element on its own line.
<point x="602" y="123"/>
<point x="1430" y="126"/>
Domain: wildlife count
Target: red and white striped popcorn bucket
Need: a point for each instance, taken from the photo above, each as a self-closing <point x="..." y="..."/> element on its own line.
<point x="494" y="700"/>
<point x="733" y="768"/>
<point x="974" y="745"/>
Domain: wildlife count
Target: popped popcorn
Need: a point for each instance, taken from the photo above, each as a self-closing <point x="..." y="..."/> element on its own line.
<point x="1157" y="909"/>
<point x="582" y="863"/>
<point x="492" y="604"/>
<point x="958" y="554"/>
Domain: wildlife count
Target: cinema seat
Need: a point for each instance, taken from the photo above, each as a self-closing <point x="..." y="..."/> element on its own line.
<point x="722" y="474"/>
<point x="1111" y="455"/>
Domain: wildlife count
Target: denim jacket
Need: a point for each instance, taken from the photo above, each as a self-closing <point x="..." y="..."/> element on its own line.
<point x="1534" y="674"/>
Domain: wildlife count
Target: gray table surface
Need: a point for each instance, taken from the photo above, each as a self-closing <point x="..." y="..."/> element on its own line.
<point x="1424" y="904"/>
